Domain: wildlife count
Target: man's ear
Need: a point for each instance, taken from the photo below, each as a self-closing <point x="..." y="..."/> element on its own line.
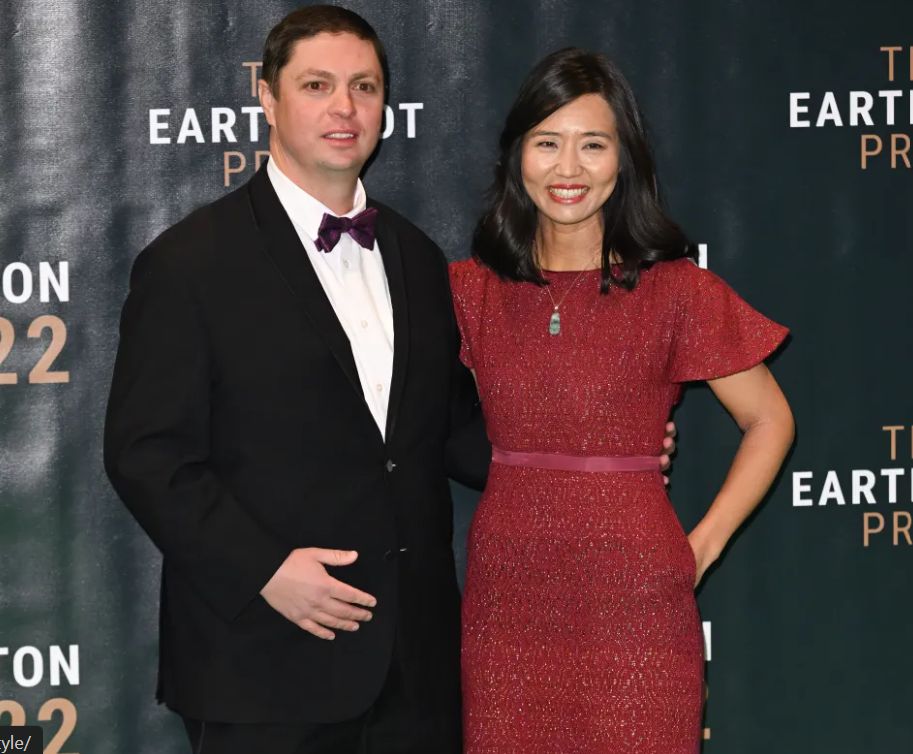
<point x="267" y="101"/>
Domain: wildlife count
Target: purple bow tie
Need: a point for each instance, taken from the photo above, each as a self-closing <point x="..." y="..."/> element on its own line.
<point x="360" y="227"/>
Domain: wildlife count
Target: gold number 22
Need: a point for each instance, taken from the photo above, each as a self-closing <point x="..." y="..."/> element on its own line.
<point x="41" y="373"/>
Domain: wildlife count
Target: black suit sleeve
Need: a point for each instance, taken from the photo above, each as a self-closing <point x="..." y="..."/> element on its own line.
<point x="468" y="450"/>
<point x="157" y="442"/>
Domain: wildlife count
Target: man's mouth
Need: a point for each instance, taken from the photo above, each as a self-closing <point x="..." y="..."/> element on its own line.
<point x="340" y="135"/>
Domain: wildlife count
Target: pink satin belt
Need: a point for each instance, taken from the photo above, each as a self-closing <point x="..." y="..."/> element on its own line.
<point x="561" y="462"/>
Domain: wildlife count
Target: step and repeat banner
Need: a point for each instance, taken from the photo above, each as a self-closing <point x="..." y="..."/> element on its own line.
<point x="782" y="132"/>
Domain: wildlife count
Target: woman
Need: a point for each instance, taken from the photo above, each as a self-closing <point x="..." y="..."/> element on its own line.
<point x="581" y="313"/>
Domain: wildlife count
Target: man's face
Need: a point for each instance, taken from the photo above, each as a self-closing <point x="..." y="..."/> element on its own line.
<point x="326" y="113"/>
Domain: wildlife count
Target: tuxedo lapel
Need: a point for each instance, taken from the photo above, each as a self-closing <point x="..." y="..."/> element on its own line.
<point x="291" y="260"/>
<point x="391" y="252"/>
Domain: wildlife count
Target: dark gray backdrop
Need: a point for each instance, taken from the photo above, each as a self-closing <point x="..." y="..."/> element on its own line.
<point x="810" y="627"/>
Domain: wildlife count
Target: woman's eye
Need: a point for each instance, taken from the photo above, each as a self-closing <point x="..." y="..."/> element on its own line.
<point x="594" y="145"/>
<point x="546" y="144"/>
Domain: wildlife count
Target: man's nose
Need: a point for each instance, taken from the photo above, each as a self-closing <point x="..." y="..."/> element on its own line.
<point x="342" y="103"/>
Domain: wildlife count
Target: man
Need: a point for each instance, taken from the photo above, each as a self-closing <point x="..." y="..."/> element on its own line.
<point x="287" y="403"/>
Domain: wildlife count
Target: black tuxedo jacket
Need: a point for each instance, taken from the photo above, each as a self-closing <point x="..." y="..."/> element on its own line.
<point x="237" y="431"/>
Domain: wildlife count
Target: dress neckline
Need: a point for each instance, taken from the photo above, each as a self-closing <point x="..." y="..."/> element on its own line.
<point x="570" y="272"/>
<point x="576" y="272"/>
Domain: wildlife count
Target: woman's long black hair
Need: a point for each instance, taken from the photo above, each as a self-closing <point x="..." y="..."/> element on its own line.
<point x="637" y="230"/>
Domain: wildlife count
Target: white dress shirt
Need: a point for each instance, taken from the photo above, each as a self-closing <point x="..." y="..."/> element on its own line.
<point x="354" y="281"/>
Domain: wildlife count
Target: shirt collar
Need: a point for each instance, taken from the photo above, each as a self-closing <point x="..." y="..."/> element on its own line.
<point x="304" y="210"/>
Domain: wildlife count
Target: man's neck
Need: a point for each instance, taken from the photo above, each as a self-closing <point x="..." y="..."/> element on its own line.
<point x="337" y="194"/>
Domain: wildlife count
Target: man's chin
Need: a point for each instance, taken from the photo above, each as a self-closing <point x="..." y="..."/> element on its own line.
<point x="343" y="166"/>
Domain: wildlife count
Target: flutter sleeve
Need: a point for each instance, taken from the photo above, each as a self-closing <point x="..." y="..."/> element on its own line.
<point x="716" y="333"/>
<point x="466" y="282"/>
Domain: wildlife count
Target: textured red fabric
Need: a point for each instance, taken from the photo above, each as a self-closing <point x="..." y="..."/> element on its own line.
<point x="580" y="627"/>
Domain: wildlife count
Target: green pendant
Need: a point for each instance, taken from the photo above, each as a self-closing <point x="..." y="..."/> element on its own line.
<point x="554" y="324"/>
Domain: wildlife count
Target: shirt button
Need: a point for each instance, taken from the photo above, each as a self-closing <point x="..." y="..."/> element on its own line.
<point x="345" y="263"/>
<point x="364" y="323"/>
<point x="380" y="388"/>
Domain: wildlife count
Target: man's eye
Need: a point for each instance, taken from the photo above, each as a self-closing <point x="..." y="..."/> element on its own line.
<point x="314" y="86"/>
<point x="365" y="86"/>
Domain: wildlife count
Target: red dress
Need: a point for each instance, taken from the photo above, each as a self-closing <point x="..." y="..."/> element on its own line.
<point x="580" y="628"/>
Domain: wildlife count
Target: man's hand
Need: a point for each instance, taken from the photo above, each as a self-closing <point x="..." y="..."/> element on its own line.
<point x="668" y="449"/>
<point x="304" y="593"/>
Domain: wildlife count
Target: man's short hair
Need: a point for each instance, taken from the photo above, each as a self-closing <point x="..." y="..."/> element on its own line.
<point x="308" y="22"/>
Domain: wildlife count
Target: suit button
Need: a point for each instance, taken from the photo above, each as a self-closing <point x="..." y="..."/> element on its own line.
<point x="389" y="466"/>
<point x="391" y="554"/>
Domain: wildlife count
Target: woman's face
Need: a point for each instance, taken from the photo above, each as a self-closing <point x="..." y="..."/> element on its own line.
<point x="569" y="161"/>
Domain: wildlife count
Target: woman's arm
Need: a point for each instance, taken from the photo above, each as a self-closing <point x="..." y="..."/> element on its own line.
<point x="757" y="404"/>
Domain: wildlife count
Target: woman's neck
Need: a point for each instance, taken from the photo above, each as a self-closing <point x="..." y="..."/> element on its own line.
<point x="569" y="247"/>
